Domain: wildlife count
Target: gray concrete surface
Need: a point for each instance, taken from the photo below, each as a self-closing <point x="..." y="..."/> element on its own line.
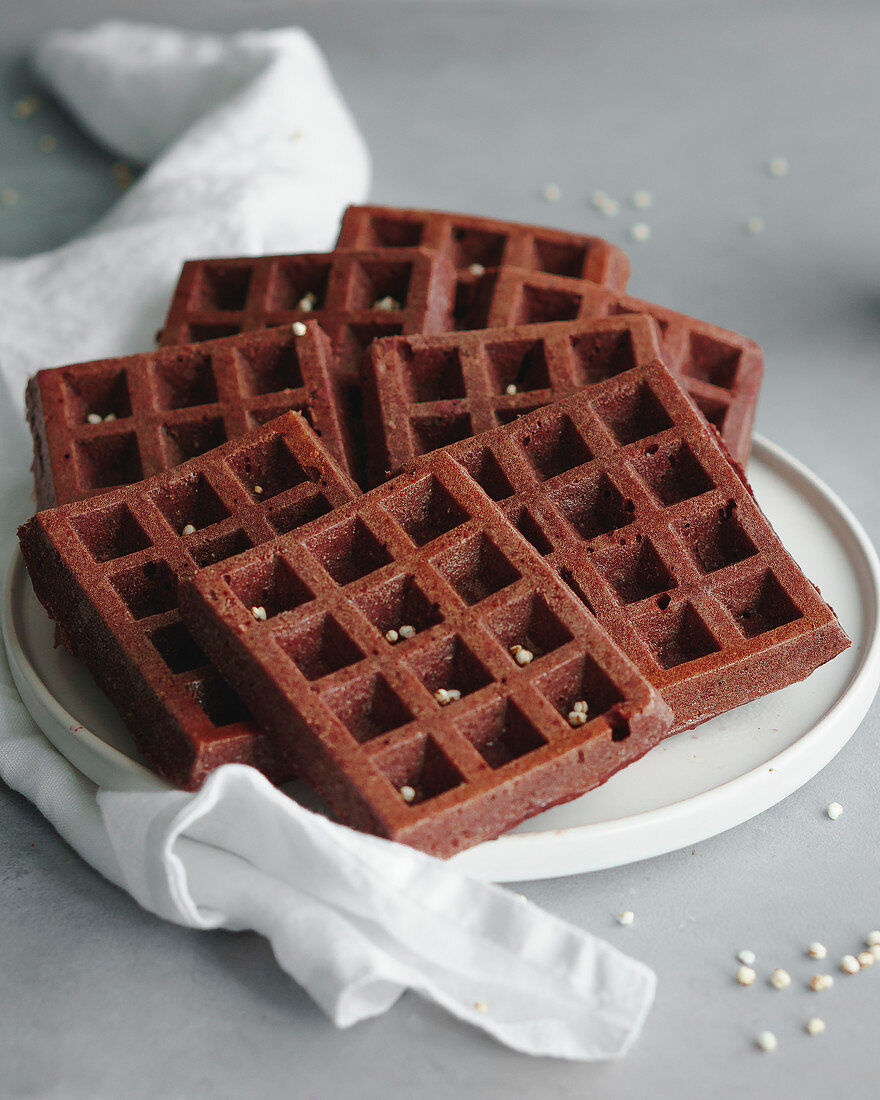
<point x="476" y="106"/>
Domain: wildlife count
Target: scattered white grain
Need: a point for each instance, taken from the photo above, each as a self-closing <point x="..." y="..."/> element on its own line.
<point x="299" y="328"/>
<point x="511" y="389"/>
<point x="817" y="950"/>
<point x="875" y="951"/>
<point x="392" y="636"/>
<point x="551" y="192"/>
<point x="746" y="957"/>
<point x="767" y="1041"/>
<point x="406" y="631"/>
<point x="407" y="793"/>
<point x="778" y="166"/>
<point x="815" y="1026"/>
<point x="307" y="303"/>
<point x="109" y="418"/>
<point x="258" y="490"/>
<point x="755" y="225"/>
<point x="849" y="964"/>
<point x="481" y="1006"/>
<point x="610" y="208"/>
<point x="820" y="982"/>
<point x="641" y="200"/>
<point x="834" y="810"/>
<point x="521" y="655"/>
<point x="9" y="196"/>
<point x="745" y="975"/>
<point x="188" y="530"/>
<point x="454" y="695"/>
<point x="780" y="979"/>
<point x="873" y="939"/>
<point x="94" y="418"/>
<point x="640" y="232"/>
<point x="477" y="269"/>
<point x="626" y="917"/>
<point x="865" y="959"/>
<point x="259" y="613"/>
<point x="48" y="143"/>
<point x="580" y="705"/>
<point x="387" y="304"/>
<point x="577" y="718"/>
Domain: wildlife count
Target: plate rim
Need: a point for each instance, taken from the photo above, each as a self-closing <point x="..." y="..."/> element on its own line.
<point x="675" y="823"/>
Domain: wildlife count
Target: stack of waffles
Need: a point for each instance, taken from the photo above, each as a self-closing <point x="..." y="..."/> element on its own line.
<point x="443" y="522"/>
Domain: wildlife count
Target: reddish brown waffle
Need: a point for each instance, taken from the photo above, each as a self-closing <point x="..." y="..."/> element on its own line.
<point x="352" y="294"/>
<point x="301" y="628"/>
<point x="157" y="410"/>
<point x="469" y="240"/>
<point x="720" y="370"/>
<point x="424" y="392"/>
<point x="630" y="498"/>
<point x="107" y="570"/>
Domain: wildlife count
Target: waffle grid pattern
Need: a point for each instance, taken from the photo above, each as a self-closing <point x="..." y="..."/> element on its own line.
<point x="361" y="715"/>
<point x="114" y="422"/>
<point x="108" y="570"/>
<point x="631" y="501"/>
<point x="487" y="242"/>
<point x="341" y="290"/>
<point x="421" y="393"/>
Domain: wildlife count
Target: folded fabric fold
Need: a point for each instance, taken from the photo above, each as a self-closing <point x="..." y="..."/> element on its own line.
<point x="251" y="149"/>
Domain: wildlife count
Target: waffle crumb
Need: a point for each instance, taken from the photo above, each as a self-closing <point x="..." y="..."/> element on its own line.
<point x="745" y="975"/>
<point x="866" y="959"/>
<point x="641" y="200"/>
<point x="817" y="950"/>
<point x="778" y="166"/>
<point x="626" y="917"/>
<point x="746" y="957"/>
<point x="299" y="328"/>
<point x="188" y="530"/>
<point x="477" y="269"/>
<point x="392" y="637"/>
<point x="259" y="613"/>
<point x="48" y="143"/>
<point x="521" y="655"/>
<point x="755" y="225"/>
<point x="388" y="304"/>
<point x="849" y="964"/>
<point x="407" y="793"/>
<point x="481" y="1006"/>
<point x="511" y="389"/>
<point x="640" y="232"/>
<point x="820" y="982"/>
<point x="94" y="418"/>
<point x="406" y="631"/>
<point x="767" y="1041"/>
<point x="815" y="1026"/>
<point x="307" y="303"/>
<point x="780" y="979"/>
<point x="551" y="192"/>
<point x="9" y="196"/>
<point x="26" y="107"/>
<point x="834" y="810"/>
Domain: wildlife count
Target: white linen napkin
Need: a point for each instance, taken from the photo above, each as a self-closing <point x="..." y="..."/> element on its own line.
<point x="251" y="149"/>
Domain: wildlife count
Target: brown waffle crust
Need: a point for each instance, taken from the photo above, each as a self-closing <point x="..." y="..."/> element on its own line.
<point x="424" y="392"/>
<point x="170" y="405"/>
<point x="221" y="297"/>
<point x="358" y="710"/>
<point x="718" y="369"/>
<point x="107" y="570"/>
<point x="630" y="498"/>
<point x="469" y="240"/>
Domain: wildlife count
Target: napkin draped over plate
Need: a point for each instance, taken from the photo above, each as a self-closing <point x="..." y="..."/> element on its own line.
<point x="250" y="149"/>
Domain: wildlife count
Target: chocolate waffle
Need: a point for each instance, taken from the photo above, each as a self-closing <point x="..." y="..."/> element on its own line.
<point x="718" y="369"/>
<point x="427" y="673"/>
<point x="424" y="392"/>
<point x="115" y="421"/>
<point x="107" y="570"/>
<point x="630" y="498"/>
<point x="356" y="296"/>
<point x="472" y="243"/>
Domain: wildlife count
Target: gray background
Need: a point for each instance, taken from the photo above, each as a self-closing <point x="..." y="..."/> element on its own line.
<point x="476" y="106"/>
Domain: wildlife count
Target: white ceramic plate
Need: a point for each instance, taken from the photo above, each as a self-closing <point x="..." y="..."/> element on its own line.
<point x="690" y="787"/>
